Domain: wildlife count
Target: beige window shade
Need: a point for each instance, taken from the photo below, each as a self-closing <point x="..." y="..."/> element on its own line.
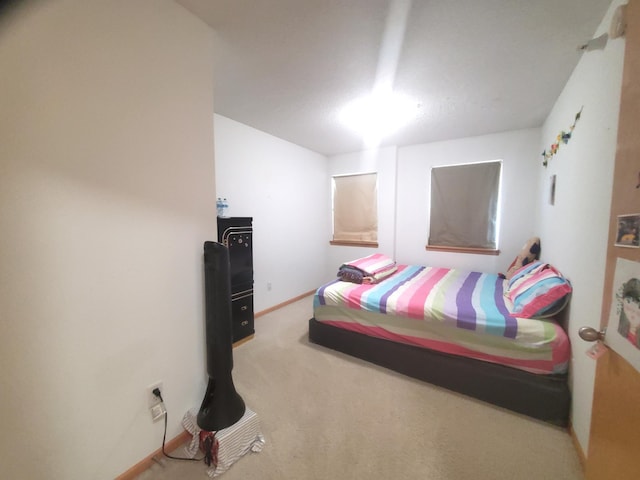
<point x="355" y="208"/>
<point x="464" y="205"/>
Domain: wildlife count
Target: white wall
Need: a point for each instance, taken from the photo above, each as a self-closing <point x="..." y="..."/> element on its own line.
<point x="573" y="232"/>
<point x="284" y="188"/>
<point x="106" y="195"/>
<point x="383" y="162"/>
<point x="575" y="228"/>
<point x="403" y="197"/>
<point x="253" y="184"/>
<point x="519" y="152"/>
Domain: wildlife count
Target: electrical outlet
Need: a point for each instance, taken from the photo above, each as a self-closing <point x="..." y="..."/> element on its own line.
<point x="152" y="400"/>
<point x="269" y="287"/>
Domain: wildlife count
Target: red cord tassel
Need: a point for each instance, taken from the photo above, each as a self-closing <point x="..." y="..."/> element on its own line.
<point x="209" y="446"/>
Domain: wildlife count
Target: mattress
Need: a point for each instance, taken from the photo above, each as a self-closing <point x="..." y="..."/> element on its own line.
<point x="446" y="310"/>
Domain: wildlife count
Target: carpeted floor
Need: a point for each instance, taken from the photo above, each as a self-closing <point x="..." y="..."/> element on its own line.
<point x="329" y="416"/>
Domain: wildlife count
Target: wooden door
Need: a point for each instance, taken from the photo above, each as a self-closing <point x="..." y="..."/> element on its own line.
<point x="614" y="445"/>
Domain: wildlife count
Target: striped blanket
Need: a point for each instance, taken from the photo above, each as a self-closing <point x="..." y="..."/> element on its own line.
<point x="370" y="269"/>
<point x="372" y="264"/>
<point x="460" y="312"/>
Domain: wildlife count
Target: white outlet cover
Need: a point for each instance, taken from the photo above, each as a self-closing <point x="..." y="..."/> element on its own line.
<point x="158" y="411"/>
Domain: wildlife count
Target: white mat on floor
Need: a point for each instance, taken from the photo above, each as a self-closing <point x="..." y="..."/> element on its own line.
<point x="233" y="442"/>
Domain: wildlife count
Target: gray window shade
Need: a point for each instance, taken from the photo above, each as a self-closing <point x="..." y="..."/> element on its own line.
<point x="355" y="208"/>
<point x="464" y="205"/>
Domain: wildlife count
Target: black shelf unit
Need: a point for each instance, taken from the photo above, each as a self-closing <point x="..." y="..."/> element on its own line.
<point x="236" y="233"/>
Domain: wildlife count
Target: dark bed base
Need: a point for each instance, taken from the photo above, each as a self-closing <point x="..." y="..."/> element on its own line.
<point x="545" y="397"/>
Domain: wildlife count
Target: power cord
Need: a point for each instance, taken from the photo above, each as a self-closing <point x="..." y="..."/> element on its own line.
<point x="156" y="392"/>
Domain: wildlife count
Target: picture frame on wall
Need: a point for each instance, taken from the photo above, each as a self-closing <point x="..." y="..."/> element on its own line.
<point x="623" y="331"/>
<point x="628" y="234"/>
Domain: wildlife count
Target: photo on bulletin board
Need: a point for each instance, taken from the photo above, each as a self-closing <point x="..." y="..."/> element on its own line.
<point x="623" y="331"/>
<point x="628" y="231"/>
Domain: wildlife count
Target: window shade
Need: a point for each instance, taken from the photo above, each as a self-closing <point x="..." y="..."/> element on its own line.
<point x="355" y="208"/>
<point x="464" y="205"/>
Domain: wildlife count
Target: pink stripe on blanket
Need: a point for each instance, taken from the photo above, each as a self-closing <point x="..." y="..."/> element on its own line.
<point x="533" y="366"/>
<point x="372" y="264"/>
<point x="415" y="309"/>
<point x="354" y="297"/>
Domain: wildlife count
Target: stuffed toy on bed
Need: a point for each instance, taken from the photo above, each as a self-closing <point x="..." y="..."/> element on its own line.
<point x="529" y="253"/>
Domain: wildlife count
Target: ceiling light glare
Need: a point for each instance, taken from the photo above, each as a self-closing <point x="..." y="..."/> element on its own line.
<point x="379" y="115"/>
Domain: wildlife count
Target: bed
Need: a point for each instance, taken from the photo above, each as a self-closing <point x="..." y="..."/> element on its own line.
<point x="479" y="334"/>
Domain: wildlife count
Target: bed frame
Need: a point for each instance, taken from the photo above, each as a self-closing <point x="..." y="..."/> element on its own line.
<point x="544" y="397"/>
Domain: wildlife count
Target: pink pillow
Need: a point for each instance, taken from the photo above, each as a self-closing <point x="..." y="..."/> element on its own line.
<point x="537" y="290"/>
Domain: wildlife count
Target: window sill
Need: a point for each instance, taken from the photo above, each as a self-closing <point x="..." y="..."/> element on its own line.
<point x="477" y="251"/>
<point x="359" y="243"/>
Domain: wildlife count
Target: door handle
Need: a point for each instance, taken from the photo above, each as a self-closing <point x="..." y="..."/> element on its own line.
<point x="589" y="334"/>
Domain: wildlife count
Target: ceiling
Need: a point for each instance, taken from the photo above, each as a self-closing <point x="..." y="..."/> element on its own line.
<point x="287" y="67"/>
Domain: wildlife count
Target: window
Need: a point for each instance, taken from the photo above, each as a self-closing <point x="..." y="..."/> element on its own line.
<point x="464" y="207"/>
<point x="355" y="210"/>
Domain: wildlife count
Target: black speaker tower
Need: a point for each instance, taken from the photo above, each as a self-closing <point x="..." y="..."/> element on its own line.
<point x="222" y="405"/>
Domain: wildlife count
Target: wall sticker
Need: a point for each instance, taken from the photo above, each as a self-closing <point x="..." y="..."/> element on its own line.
<point x="562" y="138"/>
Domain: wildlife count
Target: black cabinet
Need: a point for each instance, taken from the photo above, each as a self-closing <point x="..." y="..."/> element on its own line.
<point x="236" y="233"/>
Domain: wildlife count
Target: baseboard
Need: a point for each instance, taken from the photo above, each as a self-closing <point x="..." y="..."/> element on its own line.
<point x="143" y="465"/>
<point x="283" y="304"/>
<point x="185" y="436"/>
<point x="581" y="456"/>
